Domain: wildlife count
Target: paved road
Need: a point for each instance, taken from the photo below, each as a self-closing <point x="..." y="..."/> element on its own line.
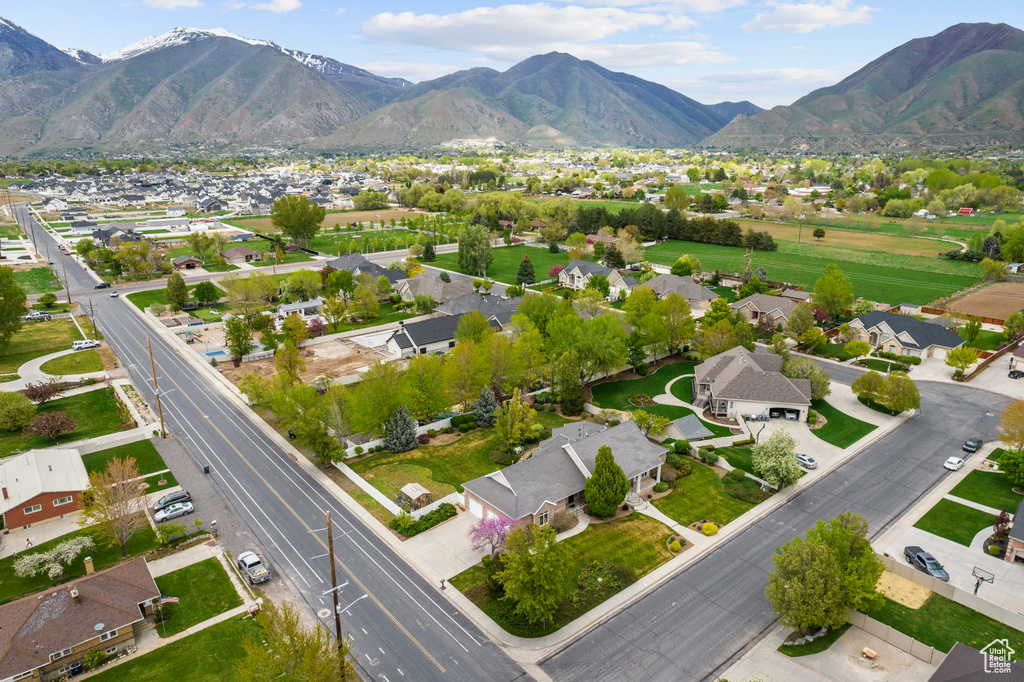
<point x="405" y="628"/>
<point x="698" y="623"/>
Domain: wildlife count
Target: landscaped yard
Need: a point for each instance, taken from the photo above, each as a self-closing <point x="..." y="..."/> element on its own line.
<point x="617" y="394"/>
<point x="636" y="542"/>
<point x="204" y="591"/>
<point x="14" y="586"/>
<point x="145" y="299"/>
<point x="441" y="469"/>
<point x="841" y="429"/>
<point x="683" y="389"/>
<point x="37" y="280"/>
<point x="987" y="340"/>
<point x="701" y="496"/>
<point x="506" y="262"/>
<point x="817" y="646"/>
<point x="146" y="457"/>
<point x="36" y="339"/>
<point x="82" y="362"/>
<point x="955" y="521"/>
<point x="210" y="655"/>
<point x="386" y="315"/>
<point x="868" y="402"/>
<point x="880" y="365"/>
<point x="941" y="623"/>
<point x="836" y="351"/>
<point x="739" y="458"/>
<point x="95" y="411"/>
<point x="990" y="488"/>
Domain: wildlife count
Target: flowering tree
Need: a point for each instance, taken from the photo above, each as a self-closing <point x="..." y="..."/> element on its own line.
<point x="555" y="270"/>
<point x="53" y="561"/>
<point x="489" y="534"/>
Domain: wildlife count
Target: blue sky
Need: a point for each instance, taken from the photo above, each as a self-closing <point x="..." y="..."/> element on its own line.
<point x="770" y="52"/>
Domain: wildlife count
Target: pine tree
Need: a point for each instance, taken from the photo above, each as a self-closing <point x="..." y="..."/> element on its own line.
<point x="613" y="258"/>
<point x="428" y="253"/>
<point x="567" y="381"/>
<point x="400" y="431"/>
<point x="485" y="407"/>
<point x="607" y="488"/>
<point x="525" y="275"/>
<point x="446" y="278"/>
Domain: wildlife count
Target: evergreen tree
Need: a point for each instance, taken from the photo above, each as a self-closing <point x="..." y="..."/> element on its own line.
<point x="485" y="407"/>
<point x="607" y="488"/>
<point x="176" y="291"/>
<point x="613" y="258"/>
<point x="567" y="381"/>
<point x="400" y="431"/>
<point x="446" y="278"/>
<point x="428" y="253"/>
<point x="525" y="275"/>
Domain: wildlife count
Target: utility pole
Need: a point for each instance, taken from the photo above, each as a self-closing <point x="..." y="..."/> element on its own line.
<point x="334" y="590"/>
<point x="159" y="409"/>
<point x="67" y="287"/>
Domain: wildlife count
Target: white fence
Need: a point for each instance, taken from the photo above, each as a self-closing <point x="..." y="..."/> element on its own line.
<point x="437" y="426"/>
<point x="451" y="498"/>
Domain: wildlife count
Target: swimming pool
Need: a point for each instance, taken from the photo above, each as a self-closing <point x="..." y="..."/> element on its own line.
<point x="212" y="353"/>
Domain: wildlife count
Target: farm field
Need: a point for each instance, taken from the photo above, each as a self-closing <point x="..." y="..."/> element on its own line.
<point x="997" y="301"/>
<point x="612" y="207"/>
<point x="863" y="241"/>
<point x="881" y="277"/>
<point x="343" y="218"/>
<point x="506" y="262"/>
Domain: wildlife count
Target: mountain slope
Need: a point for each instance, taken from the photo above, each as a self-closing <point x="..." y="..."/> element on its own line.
<point x="730" y="110"/>
<point x="21" y="52"/>
<point x="960" y="87"/>
<point x="552" y="99"/>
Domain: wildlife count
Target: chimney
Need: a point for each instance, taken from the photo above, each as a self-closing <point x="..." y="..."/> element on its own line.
<point x="5" y="492"/>
<point x="88" y="566"/>
<point x="74" y="596"/>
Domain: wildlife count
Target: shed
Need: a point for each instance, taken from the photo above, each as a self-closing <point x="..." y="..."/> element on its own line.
<point x="415" y="495"/>
<point x="688" y="428"/>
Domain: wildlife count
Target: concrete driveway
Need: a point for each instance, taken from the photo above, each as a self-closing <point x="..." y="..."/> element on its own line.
<point x="445" y="550"/>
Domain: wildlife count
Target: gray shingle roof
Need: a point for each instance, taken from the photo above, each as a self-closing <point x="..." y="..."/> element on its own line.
<point x="738" y="374"/>
<point x="663" y="285"/>
<point x="1017" y="531"/>
<point x="501" y="308"/>
<point x="588" y="268"/>
<point x="766" y="304"/>
<point x="924" y="335"/>
<point x="692" y="428"/>
<point x="433" y="330"/>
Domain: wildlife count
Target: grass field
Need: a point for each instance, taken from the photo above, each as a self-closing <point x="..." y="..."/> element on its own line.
<point x="204" y="591"/>
<point x="82" y="362"/>
<point x="343" y="218"/>
<point x="144" y="299"/>
<point x="506" y="262"/>
<point x="386" y="315"/>
<point x="616" y="394"/>
<point x="36" y="339"/>
<point x="851" y="239"/>
<point x="95" y="412"/>
<point x="740" y="458"/>
<point x="37" y="280"/>
<point x="954" y="521"/>
<point x="880" y="365"/>
<point x="701" y="496"/>
<point x="145" y="455"/>
<point x="990" y="488"/>
<point x="841" y="429"/>
<point x="987" y="340"/>
<point x="879" y="277"/>
<point x="941" y="623"/>
<point x="635" y="542"/>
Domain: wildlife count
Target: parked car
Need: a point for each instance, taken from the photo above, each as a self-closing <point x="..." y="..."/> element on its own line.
<point x="792" y="415"/>
<point x="114" y="294"/>
<point x="102" y="285"/>
<point x="954" y="463"/>
<point x="775" y="412"/>
<point x="973" y="444"/>
<point x="173" y="511"/>
<point x="170" y="498"/>
<point x="253" y="568"/>
<point x="1016" y="374"/>
<point x="85" y="344"/>
<point x="37" y="316"/>
<point x="806" y="461"/>
<point x="925" y="562"/>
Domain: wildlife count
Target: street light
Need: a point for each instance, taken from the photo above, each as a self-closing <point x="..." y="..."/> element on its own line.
<point x="340" y="611"/>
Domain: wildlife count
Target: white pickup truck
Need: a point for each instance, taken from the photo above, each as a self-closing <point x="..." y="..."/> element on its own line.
<point x="253" y="568"/>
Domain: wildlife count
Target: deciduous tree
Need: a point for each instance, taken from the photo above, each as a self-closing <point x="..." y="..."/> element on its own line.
<point x="716" y="339"/>
<point x="288" y="363"/>
<point x="800" y="320"/>
<point x="43" y="392"/>
<point x="285" y="649"/>
<point x="868" y="386"/>
<point x="857" y="348"/>
<point x="176" y="292"/>
<point x="805" y="589"/>
<point x="1012" y="463"/>
<point x="297" y="217"/>
<point x="377" y="397"/>
<point x="960" y="359"/>
<point x="207" y="292"/>
<point x="805" y="368"/>
<point x="52" y="424"/>
<point x="833" y="292"/>
<point x="606" y="488"/>
<point x="475" y="250"/>
<point x="473" y="327"/>
<point x="16" y="410"/>
<point x="899" y="393"/>
<point x="1011" y="424"/>
<point x="238" y="338"/>
<point x="774" y="460"/>
<point x="364" y="303"/>
<point x="427" y="386"/>
<point x="115" y="502"/>
<point x="512" y="421"/>
<point x="679" y="326"/>
<point x="536" y="566"/>
<point x="489" y="533"/>
<point x="972" y="328"/>
<point x="52" y="562"/>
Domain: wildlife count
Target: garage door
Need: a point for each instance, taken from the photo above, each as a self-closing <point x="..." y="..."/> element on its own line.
<point x="491" y="515"/>
<point x="475" y="508"/>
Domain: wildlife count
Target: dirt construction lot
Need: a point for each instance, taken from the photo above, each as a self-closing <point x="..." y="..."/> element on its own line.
<point x="330" y="359"/>
<point x="998" y="301"/>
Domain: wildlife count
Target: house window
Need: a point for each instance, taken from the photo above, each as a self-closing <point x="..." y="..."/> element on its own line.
<point x="60" y="654"/>
<point x="33" y="509"/>
<point x="423" y="351"/>
<point x="63" y="669"/>
<point x="111" y="650"/>
<point x="22" y="676"/>
<point x="108" y="635"/>
<point x="542" y="520"/>
<point x="63" y="500"/>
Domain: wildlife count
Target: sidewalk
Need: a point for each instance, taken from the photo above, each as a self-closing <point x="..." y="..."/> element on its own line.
<point x="30" y="372"/>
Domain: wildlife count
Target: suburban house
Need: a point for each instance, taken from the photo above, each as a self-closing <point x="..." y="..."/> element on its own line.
<point x="309" y="308"/>
<point x="501" y="309"/>
<point x="554" y="478"/>
<point x="578" y="272"/>
<point x="238" y="255"/>
<point x="436" y="335"/>
<point x="617" y="283"/>
<point x="434" y="287"/>
<point x="1015" y="540"/>
<point x="758" y="307"/>
<point x="797" y="295"/>
<point x="357" y="264"/>
<point x="41" y="485"/>
<point x="738" y="382"/>
<point x="904" y="335"/>
<point x="698" y="297"/>
<point x="47" y="635"/>
<point x="186" y="263"/>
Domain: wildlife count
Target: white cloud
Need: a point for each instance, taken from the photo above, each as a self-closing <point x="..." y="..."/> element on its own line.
<point x="698" y="6"/>
<point x="172" y="4"/>
<point x="809" y="16"/>
<point x="414" y="71"/>
<point x="766" y="87"/>
<point x="649" y="54"/>
<point x="505" y="28"/>
<point x="278" y="6"/>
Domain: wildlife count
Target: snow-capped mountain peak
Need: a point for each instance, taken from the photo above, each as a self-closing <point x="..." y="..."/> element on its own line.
<point x="176" y="36"/>
<point x="80" y="56"/>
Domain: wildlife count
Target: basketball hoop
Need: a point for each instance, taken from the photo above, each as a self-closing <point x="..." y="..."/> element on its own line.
<point x="982" y="576"/>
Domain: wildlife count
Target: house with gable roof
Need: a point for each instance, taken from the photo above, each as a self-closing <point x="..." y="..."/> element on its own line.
<point x="697" y="296"/>
<point x="554" y="478"/>
<point x="41" y="485"/>
<point x="577" y="273"/>
<point x="739" y="382"/>
<point x="904" y="335"/>
<point x="774" y="309"/>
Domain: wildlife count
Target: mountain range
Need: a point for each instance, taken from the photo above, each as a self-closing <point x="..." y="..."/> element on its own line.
<point x="962" y="87"/>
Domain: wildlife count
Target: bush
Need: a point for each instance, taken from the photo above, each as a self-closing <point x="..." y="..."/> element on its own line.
<point x="471" y="424"/>
<point x="673" y="460"/>
<point x="737" y="474"/>
<point x="993" y="550"/>
<point x="683" y="447"/>
<point x="379" y="448"/>
<point x="359" y="450"/>
<point x="675" y="546"/>
<point x="904" y="359"/>
<point x="423" y="438"/>
<point x="707" y="456"/>
<point x="683" y="470"/>
<point x="748" y="441"/>
<point x="404" y="524"/>
<point x="432" y="432"/>
<point x="668" y="474"/>
<point x="463" y="428"/>
<point x="447" y="430"/>
<point x="709" y="529"/>
<point x="561" y="521"/>
<point x="668" y="441"/>
<point x="614" y="422"/>
<point x="812" y="419"/>
<point x="660" y="487"/>
<point x="552" y="407"/>
<point x="93" y="659"/>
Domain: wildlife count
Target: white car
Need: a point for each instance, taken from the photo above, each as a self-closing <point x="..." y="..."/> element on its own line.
<point x="173" y="511"/>
<point x="954" y="463"/>
<point x="115" y="294"/>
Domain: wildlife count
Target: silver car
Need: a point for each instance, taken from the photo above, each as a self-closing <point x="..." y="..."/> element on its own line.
<point x="173" y="511"/>
<point x="806" y="461"/>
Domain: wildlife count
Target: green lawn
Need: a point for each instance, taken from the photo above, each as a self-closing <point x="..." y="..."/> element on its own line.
<point x="636" y="542"/>
<point x="36" y="339"/>
<point x="506" y="262"/>
<point x="701" y="496"/>
<point x="616" y="394"/>
<point x="146" y="457"/>
<point x="728" y="293"/>
<point x="990" y="488"/>
<point x="38" y="280"/>
<point x="210" y="655"/>
<point x="877" y="407"/>
<point x="739" y="458"/>
<point x="683" y="389"/>
<point x="144" y="299"/>
<point x="14" y="586"/>
<point x="82" y="362"/>
<point x="941" y="623"/>
<point x="996" y="454"/>
<point x="441" y="469"/>
<point x="815" y="647"/>
<point x="674" y="412"/>
<point x="880" y="365"/>
<point x="95" y="411"/>
<point x="841" y="430"/>
<point x="832" y="350"/>
<point x="204" y="591"/>
<point x="987" y="340"/>
<point x="386" y="315"/>
<point x="55" y="308"/>
<point x="875" y="276"/>
<point x="954" y="521"/>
